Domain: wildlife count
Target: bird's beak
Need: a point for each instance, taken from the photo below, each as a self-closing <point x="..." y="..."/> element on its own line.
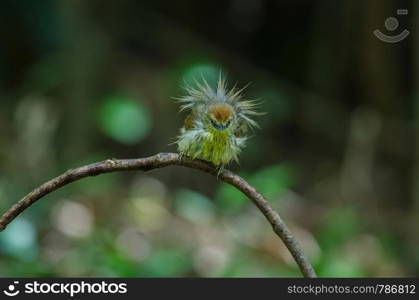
<point x="219" y="126"/>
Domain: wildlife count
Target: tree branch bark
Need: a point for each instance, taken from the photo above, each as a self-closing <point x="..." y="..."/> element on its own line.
<point x="159" y="161"/>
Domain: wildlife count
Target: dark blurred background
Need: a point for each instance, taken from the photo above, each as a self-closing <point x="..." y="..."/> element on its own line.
<point x="336" y="155"/>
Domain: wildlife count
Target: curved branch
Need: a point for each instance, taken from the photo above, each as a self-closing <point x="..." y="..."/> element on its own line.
<point x="159" y="161"/>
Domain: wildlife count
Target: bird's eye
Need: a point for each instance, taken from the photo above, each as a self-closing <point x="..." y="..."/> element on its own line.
<point x="228" y="123"/>
<point x="213" y="123"/>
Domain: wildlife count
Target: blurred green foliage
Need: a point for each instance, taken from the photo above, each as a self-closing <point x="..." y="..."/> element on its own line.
<point x="84" y="81"/>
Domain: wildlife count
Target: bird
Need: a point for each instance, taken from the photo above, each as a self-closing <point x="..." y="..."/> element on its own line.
<point x="218" y="122"/>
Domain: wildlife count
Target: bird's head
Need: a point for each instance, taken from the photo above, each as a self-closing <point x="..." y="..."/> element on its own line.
<point x="221" y="116"/>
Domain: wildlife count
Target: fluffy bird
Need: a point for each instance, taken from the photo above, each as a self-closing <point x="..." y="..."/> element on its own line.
<point x="217" y="125"/>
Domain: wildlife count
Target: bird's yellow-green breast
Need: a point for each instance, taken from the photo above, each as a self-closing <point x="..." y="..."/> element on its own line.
<point x="216" y="147"/>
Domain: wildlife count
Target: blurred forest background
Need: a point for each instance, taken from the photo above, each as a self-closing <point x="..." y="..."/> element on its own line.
<point x="336" y="155"/>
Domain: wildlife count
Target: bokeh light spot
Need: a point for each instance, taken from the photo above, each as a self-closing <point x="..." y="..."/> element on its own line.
<point x="19" y="239"/>
<point x="193" y="206"/>
<point x="201" y="70"/>
<point x="73" y="219"/>
<point x="125" y="120"/>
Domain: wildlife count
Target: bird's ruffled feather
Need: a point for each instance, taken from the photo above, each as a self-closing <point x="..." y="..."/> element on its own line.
<point x="203" y="94"/>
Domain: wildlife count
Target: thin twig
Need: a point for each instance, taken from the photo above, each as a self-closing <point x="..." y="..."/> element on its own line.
<point x="159" y="161"/>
